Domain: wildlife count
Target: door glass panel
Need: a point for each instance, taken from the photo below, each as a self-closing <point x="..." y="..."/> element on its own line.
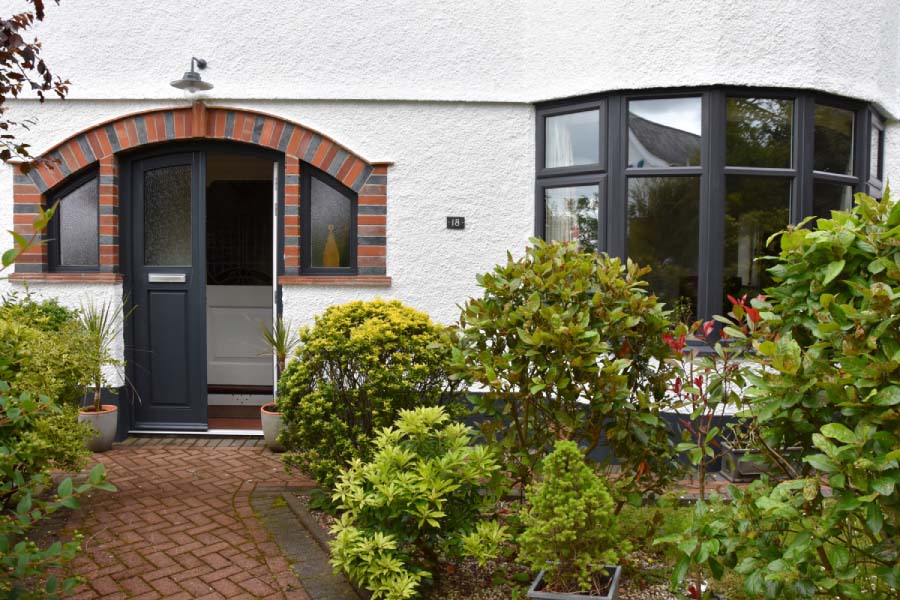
<point x="663" y="233"/>
<point x="167" y="217"/>
<point x="330" y="215"/>
<point x="758" y="132"/>
<point x="828" y="196"/>
<point x="833" y="150"/>
<point x="572" y="139"/>
<point x="571" y="214"/>
<point x="78" y="228"/>
<point x="664" y="132"/>
<point x="755" y="208"/>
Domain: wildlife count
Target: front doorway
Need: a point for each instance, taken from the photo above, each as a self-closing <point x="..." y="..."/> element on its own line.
<point x="201" y="274"/>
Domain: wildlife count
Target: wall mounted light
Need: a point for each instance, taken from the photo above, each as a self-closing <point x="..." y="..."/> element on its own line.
<point x="191" y="80"/>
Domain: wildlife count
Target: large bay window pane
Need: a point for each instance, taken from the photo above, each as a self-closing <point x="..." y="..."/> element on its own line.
<point x="833" y="146"/>
<point x="755" y="208"/>
<point x="828" y="196"/>
<point x="663" y="233"/>
<point x="78" y="227"/>
<point x="330" y="221"/>
<point x="758" y="132"/>
<point x="572" y="139"/>
<point x="664" y="132"/>
<point x="571" y="214"/>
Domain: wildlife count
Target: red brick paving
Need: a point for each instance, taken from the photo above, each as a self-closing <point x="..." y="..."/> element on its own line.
<point x="181" y="525"/>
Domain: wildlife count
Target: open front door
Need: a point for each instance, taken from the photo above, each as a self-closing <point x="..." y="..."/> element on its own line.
<point x="168" y="275"/>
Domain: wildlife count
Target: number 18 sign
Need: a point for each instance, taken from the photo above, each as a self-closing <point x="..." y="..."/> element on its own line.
<point x="456" y="222"/>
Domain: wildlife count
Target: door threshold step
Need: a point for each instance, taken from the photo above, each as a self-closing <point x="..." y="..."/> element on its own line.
<point x="244" y="433"/>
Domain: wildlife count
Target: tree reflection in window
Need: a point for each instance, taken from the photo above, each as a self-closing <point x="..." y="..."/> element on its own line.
<point x="758" y="132"/>
<point x="663" y="233"/>
<point x="755" y="208"/>
<point x="571" y="214"/>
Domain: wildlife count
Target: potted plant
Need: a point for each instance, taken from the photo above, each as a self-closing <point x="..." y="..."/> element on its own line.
<point x="102" y="325"/>
<point x="569" y="531"/>
<point x="281" y="339"/>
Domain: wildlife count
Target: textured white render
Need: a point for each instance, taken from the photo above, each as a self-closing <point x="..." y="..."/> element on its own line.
<point x="471" y="50"/>
<point x="443" y="88"/>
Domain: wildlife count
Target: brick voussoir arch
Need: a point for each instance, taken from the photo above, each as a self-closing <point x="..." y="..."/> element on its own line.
<point x="101" y="143"/>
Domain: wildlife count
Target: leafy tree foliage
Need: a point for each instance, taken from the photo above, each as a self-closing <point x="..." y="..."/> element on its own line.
<point x="569" y="345"/>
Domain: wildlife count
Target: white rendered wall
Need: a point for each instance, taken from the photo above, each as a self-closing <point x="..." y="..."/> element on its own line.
<point x="450" y="159"/>
<point x="471" y="50"/>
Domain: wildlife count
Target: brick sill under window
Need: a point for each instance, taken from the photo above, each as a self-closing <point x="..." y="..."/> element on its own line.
<point x="66" y="277"/>
<point x="337" y="280"/>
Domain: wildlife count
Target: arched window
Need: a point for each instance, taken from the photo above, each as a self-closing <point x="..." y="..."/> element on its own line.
<point x="328" y="223"/>
<point x="74" y="232"/>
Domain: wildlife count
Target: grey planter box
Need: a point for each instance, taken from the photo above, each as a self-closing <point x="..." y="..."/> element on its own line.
<point x="738" y="468"/>
<point x="615" y="573"/>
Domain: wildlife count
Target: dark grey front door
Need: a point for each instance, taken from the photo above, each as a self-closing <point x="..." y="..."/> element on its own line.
<point x="168" y="277"/>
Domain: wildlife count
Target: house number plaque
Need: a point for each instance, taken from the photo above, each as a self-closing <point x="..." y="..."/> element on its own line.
<point x="456" y="222"/>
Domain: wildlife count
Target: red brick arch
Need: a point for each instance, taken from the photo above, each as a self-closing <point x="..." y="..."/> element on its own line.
<point x="100" y="144"/>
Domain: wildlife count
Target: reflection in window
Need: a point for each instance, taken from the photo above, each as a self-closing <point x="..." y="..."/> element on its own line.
<point x="571" y="214"/>
<point x="572" y="139"/>
<point x="664" y="132"/>
<point x="758" y="132"/>
<point x="663" y="233"/>
<point x="755" y="208"/>
<point x="828" y="196"/>
<point x="833" y="147"/>
<point x="78" y="226"/>
<point x="167" y="216"/>
<point x="329" y="226"/>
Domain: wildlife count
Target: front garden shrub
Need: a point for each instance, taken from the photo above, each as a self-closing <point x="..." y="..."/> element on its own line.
<point x="828" y="343"/>
<point x="569" y="525"/>
<point x="569" y="345"/>
<point x="354" y="370"/>
<point x="418" y="499"/>
<point x="29" y="428"/>
<point x="43" y="349"/>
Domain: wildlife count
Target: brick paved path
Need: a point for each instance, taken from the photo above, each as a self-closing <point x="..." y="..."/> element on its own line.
<point x="181" y="524"/>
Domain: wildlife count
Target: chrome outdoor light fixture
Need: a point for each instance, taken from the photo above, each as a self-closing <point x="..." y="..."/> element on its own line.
<point x="191" y="80"/>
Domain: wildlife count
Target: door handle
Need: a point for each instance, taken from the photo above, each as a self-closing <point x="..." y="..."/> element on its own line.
<point x="166" y="277"/>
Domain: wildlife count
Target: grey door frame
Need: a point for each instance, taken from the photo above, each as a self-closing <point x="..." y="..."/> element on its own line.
<point x="126" y="257"/>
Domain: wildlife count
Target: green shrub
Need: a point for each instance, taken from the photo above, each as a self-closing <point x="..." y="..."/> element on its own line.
<point x="45" y="315"/>
<point x="29" y="430"/>
<point x="419" y="497"/>
<point x="569" y="525"/>
<point x="43" y="349"/>
<point x="355" y="369"/>
<point x="569" y="345"/>
<point x="828" y="343"/>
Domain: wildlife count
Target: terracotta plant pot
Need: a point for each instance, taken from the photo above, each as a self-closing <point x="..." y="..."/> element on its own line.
<point x="104" y="422"/>
<point x="272" y="425"/>
<point x="615" y="573"/>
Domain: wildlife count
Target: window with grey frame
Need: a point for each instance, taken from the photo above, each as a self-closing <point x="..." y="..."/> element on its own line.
<point x="328" y="224"/>
<point x="693" y="182"/>
<point x="74" y="232"/>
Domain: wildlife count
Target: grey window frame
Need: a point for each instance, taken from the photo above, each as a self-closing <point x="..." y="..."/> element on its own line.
<point x="876" y="180"/>
<point x="307" y="172"/>
<point x="52" y="234"/>
<point x="712" y="169"/>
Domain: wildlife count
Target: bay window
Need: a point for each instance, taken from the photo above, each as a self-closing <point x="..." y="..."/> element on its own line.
<point x="694" y="182"/>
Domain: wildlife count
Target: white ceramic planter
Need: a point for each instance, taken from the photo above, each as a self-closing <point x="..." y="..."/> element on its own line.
<point x="105" y="423"/>
<point x="271" y="424"/>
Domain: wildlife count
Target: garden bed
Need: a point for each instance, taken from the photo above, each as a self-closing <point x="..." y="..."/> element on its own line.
<point x="645" y="573"/>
